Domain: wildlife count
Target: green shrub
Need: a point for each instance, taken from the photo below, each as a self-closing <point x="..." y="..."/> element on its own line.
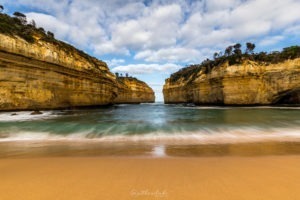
<point x="16" y="26"/>
<point x="233" y="55"/>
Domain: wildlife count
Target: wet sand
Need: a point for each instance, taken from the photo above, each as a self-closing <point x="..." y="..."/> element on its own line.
<point x="36" y="149"/>
<point x="98" y="177"/>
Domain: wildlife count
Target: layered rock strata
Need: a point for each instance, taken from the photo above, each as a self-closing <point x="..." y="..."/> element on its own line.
<point x="250" y="83"/>
<point x="44" y="75"/>
<point x="132" y="90"/>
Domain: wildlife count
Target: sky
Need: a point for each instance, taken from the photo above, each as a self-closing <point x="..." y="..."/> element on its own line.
<point x="151" y="39"/>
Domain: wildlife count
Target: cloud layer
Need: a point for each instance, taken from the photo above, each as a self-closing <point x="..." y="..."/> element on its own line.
<point x="147" y="68"/>
<point x="157" y="32"/>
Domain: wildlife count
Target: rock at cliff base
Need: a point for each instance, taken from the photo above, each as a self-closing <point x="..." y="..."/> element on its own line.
<point x="36" y="112"/>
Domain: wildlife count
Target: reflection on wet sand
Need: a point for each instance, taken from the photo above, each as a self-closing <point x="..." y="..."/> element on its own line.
<point x="140" y="149"/>
<point x="236" y="149"/>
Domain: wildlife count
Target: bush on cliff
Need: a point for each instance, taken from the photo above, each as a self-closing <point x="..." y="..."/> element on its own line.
<point x="233" y="55"/>
<point x="17" y="26"/>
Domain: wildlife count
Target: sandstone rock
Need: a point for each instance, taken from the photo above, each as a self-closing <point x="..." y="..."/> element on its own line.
<point x="44" y="75"/>
<point x="132" y="90"/>
<point x="36" y="112"/>
<point x="41" y="75"/>
<point x="249" y="83"/>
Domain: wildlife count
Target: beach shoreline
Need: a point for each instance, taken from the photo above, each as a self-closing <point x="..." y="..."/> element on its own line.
<point x="227" y="177"/>
<point x="146" y="149"/>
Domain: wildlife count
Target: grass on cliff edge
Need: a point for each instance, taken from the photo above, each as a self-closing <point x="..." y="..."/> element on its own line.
<point x="122" y="80"/>
<point x="236" y="57"/>
<point x="14" y="26"/>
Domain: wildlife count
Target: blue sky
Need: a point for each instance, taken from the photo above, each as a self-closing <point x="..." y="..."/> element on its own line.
<point x="152" y="39"/>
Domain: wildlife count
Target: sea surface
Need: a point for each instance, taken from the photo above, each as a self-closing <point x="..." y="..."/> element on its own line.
<point x="151" y="129"/>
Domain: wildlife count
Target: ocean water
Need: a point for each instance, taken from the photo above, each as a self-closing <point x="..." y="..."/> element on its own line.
<point x="156" y="125"/>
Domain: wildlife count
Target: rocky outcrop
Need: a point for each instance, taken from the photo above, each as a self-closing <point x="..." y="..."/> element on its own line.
<point x="132" y="90"/>
<point x="41" y="75"/>
<point x="47" y="75"/>
<point x="250" y="83"/>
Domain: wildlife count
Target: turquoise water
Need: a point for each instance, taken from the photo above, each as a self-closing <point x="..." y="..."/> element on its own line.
<point x="153" y="122"/>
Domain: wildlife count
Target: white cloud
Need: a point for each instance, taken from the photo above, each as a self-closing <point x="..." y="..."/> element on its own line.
<point x="295" y="30"/>
<point x="154" y="29"/>
<point x="79" y="33"/>
<point x="215" y="5"/>
<point x="49" y="22"/>
<point x="271" y="40"/>
<point x="114" y="62"/>
<point x="173" y="54"/>
<point x="238" y="21"/>
<point x="107" y="47"/>
<point x="147" y="68"/>
<point x="164" y="31"/>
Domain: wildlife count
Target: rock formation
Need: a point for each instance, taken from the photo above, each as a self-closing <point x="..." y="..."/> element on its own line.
<point x="45" y="75"/>
<point x="132" y="90"/>
<point x="249" y="83"/>
<point x="41" y="75"/>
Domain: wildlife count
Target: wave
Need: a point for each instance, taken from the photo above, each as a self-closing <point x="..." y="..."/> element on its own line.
<point x="235" y="135"/>
<point x="25" y="116"/>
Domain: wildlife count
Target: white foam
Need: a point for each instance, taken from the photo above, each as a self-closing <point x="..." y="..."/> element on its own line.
<point x="199" y="137"/>
<point x="159" y="151"/>
<point x="24" y="116"/>
<point x="30" y="136"/>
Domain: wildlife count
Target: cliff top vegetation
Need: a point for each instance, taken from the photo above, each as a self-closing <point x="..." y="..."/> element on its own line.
<point x="126" y="77"/>
<point x="234" y="55"/>
<point x="17" y="25"/>
<point x="123" y="79"/>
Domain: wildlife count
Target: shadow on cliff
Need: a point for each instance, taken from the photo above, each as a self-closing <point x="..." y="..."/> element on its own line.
<point x="288" y="97"/>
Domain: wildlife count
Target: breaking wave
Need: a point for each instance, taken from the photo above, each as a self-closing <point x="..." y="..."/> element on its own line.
<point x="199" y="137"/>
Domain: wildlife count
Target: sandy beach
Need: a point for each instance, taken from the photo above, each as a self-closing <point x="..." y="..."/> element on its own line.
<point x="229" y="177"/>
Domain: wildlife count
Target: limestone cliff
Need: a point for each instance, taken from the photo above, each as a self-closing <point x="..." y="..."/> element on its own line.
<point x="132" y="90"/>
<point x="39" y="72"/>
<point x="249" y="83"/>
<point x="43" y="75"/>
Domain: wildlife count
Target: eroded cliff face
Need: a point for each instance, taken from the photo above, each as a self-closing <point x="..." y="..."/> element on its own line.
<point x="42" y="75"/>
<point x="132" y="90"/>
<point x="249" y="83"/>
